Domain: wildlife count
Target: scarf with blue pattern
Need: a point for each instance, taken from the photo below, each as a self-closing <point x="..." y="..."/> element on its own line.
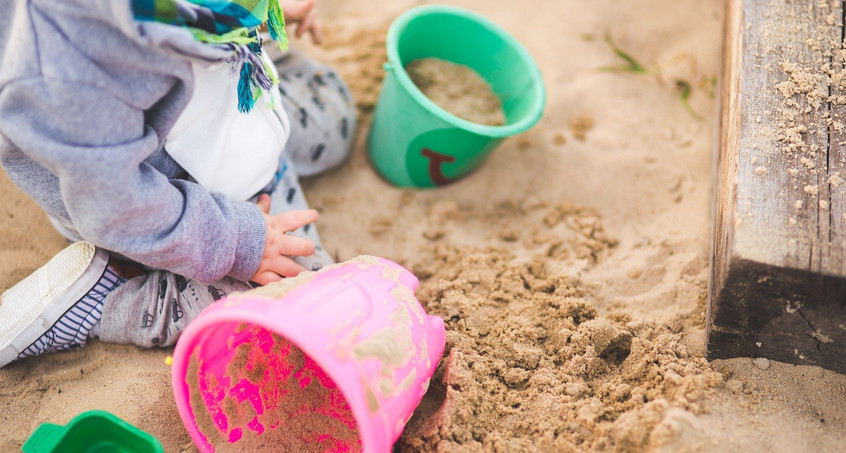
<point x="230" y="25"/>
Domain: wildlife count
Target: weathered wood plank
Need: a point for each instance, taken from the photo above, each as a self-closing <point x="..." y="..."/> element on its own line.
<point x="778" y="273"/>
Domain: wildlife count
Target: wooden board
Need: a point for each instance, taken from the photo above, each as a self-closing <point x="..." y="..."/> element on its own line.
<point x="778" y="269"/>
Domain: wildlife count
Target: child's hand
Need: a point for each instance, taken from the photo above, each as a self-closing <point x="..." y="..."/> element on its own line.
<point x="274" y="263"/>
<point x="302" y="13"/>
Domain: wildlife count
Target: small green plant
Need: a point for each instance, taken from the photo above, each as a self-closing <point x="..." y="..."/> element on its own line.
<point x="684" y="90"/>
<point x="631" y="65"/>
<point x="709" y="85"/>
<point x="682" y="87"/>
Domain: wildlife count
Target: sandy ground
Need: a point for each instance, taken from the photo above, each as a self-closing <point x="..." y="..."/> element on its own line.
<point x="571" y="268"/>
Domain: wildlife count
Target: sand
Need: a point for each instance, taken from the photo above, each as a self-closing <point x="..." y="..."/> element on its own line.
<point x="457" y="89"/>
<point x="571" y="268"/>
<point x="296" y="396"/>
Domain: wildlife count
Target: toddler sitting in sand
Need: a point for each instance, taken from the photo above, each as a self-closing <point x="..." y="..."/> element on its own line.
<point x="160" y="139"/>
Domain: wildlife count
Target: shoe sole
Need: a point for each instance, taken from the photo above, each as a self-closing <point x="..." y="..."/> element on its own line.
<point x="36" y="303"/>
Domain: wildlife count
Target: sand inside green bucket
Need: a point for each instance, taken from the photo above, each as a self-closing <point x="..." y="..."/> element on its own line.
<point x="457" y="89"/>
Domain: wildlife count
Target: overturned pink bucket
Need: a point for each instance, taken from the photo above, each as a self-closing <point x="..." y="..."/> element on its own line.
<point x="337" y="364"/>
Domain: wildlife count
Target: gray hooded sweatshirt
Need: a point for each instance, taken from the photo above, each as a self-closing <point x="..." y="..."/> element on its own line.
<point x="87" y="98"/>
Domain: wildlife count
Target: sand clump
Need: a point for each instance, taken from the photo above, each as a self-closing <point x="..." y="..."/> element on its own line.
<point x="532" y="366"/>
<point x="810" y="79"/>
<point x="457" y="89"/>
<point x="580" y="125"/>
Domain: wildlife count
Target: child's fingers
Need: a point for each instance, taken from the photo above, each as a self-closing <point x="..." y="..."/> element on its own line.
<point x="306" y="24"/>
<point x="290" y="221"/>
<point x="263" y="203"/>
<point x="297" y="246"/>
<point x="275" y="269"/>
<point x="286" y="267"/>
<point x="263" y="278"/>
<point x="316" y="31"/>
<point x="311" y="24"/>
<point x="296" y="10"/>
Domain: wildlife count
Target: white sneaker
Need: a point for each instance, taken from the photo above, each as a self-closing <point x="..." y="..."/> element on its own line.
<point x="56" y="307"/>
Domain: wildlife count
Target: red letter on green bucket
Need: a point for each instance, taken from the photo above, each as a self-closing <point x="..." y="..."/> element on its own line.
<point x="436" y="161"/>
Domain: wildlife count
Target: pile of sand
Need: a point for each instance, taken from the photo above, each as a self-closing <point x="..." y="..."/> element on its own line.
<point x="532" y="365"/>
<point x="571" y="268"/>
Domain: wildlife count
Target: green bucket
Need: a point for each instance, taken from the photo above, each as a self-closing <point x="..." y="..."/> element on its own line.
<point x="415" y="143"/>
<point x="91" y="432"/>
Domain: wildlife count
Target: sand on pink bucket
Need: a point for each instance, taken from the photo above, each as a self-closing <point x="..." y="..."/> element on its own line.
<point x="303" y="410"/>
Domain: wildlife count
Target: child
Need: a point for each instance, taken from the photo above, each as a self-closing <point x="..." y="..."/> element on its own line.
<point x="159" y="138"/>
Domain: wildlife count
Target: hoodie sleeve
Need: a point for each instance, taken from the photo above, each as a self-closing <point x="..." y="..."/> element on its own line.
<point x="96" y="143"/>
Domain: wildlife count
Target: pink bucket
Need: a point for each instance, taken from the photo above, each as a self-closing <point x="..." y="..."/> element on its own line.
<point x="338" y="364"/>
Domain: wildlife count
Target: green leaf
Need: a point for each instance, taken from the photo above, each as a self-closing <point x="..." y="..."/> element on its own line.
<point x="685" y="90"/>
<point x="631" y="65"/>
